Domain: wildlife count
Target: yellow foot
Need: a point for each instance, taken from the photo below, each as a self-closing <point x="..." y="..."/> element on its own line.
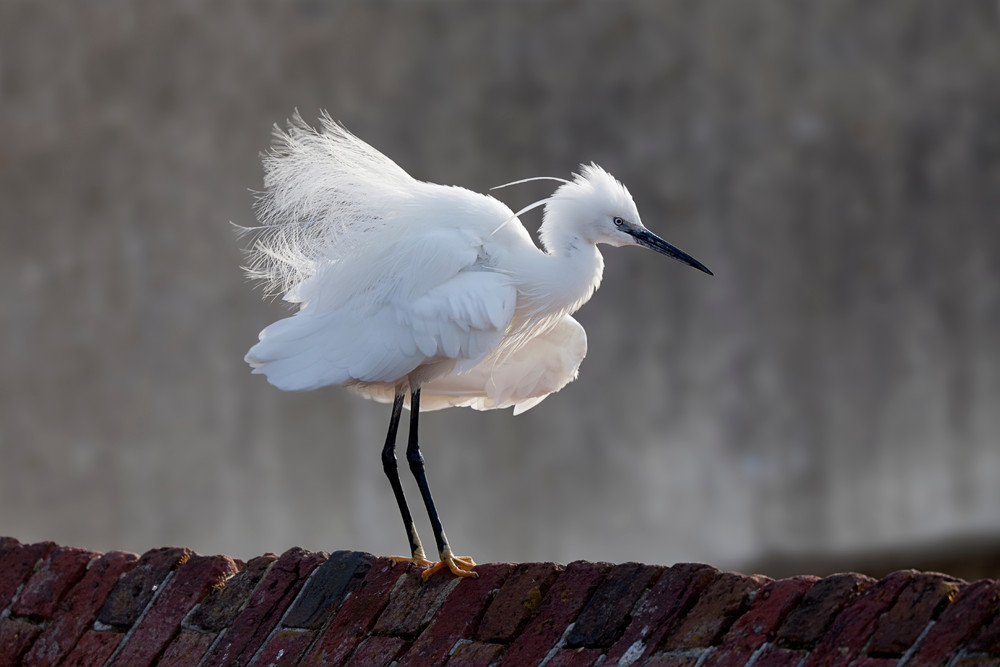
<point x="419" y="561"/>
<point x="460" y="566"/>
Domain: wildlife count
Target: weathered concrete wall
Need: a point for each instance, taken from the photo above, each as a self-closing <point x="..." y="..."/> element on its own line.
<point x="833" y="387"/>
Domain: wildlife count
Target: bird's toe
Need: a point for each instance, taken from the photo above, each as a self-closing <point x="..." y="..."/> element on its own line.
<point x="419" y="560"/>
<point x="460" y="566"/>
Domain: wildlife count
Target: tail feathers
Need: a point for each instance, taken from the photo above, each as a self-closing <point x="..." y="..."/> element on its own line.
<point x="289" y="356"/>
<point x="300" y="371"/>
<point x="310" y="350"/>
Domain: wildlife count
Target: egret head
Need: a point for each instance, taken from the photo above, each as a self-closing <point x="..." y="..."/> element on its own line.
<point x="596" y="208"/>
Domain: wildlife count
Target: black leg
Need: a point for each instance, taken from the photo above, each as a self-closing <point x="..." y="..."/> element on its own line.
<point x="416" y="461"/>
<point x="392" y="472"/>
<point x="458" y="565"/>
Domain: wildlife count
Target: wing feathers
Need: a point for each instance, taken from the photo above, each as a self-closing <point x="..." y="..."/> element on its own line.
<point x="462" y="320"/>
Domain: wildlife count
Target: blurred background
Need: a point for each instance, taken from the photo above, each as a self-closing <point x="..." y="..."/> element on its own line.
<point x="830" y="400"/>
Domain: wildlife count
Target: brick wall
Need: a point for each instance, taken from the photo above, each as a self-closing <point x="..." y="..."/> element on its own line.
<point x="68" y="606"/>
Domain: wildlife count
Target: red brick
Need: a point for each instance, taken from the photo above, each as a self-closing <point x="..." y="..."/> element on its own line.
<point x="958" y="622"/>
<point x="134" y="590"/>
<point x="60" y="570"/>
<point x="356" y="616"/>
<point x="414" y="602"/>
<point x="320" y="598"/>
<point x="574" y="657"/>
<point x="767" y="611"/>
<point x="16" y="637"/>
<point x="854" y="625"/>
<point x="669" y="659"/>
<point x="807" y="622"/>
<point x="93" y="648"/>
<point x="559" y="608"/>
<point x="978" y="660"/>
<point x="868" y="661"/>
<point x="468" y="653"/>
<point x="17" y="562"/>
<point x="773" y="656"/>
<point x="264" y="608"/>
<point x="221" y="607"/>
<point x="285" y="647"/>
<point x="189" y="584"/>
<point x="79" y="609"/>
<point x="458" y="616"/>
<point x="327" y="588"/>
<point x="605" y="617"/>
<point x="988" y="639"/>
<point x="187" y="648"/>
<point x="918" y="604"/>
<point x="731" y="656"/>
<point x="674" y="593"/>
<point x="379" y="651"/>
<point x="517" y="601"/>
<point x="716" y="608"/>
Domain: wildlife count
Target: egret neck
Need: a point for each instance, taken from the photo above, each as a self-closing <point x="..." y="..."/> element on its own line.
<point x="561" y="279"/>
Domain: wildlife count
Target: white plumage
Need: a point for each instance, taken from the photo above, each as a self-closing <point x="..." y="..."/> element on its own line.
<point x="395" y="277"/>
<point x="403" y="285"/>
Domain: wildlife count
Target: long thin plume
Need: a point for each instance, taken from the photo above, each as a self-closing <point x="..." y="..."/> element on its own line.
<point x="528" y="180"/>
<point x="529" y="207"/>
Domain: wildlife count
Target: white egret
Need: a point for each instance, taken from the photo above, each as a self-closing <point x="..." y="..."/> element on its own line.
<point x="404" y="286"/>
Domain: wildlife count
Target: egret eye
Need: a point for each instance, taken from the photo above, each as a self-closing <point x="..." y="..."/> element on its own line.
<point x="618" y="221"/>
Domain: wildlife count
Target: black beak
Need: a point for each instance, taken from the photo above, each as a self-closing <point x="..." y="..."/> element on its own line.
<point x="653" y="242"/>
